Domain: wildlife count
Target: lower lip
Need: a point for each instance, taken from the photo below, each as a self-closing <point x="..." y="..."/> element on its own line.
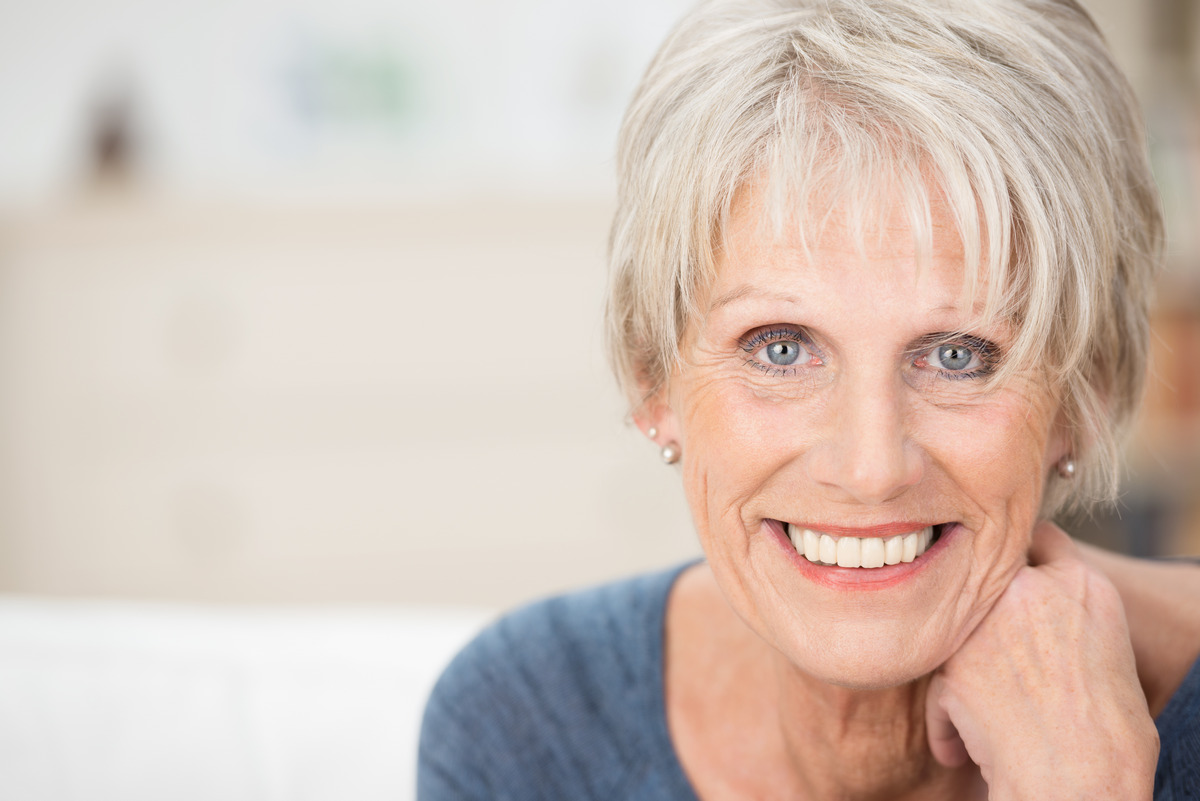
<point x="862" y="578"/>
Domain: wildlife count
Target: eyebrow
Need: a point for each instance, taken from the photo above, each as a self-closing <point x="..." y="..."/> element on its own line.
<point x="749" y="290"/>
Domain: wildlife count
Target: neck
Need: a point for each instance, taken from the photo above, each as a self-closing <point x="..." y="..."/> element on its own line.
<point x="844" y="743"/>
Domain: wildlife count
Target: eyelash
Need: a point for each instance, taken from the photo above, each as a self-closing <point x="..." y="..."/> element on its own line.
<point x="750" y="344"/>
<point x="987" y="352"/>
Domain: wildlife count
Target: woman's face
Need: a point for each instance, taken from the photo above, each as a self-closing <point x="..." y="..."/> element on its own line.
<point x="843" y="393"/>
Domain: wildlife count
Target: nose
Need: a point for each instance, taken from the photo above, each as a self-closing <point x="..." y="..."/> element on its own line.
<point x="864" y="453"/>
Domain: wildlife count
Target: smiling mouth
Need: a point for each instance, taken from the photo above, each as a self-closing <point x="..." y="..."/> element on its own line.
<point x="865" y="552"/>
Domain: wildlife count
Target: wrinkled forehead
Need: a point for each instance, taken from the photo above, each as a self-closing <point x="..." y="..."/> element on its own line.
<point x="765" y="255"/>
<point x="896" y="209"/>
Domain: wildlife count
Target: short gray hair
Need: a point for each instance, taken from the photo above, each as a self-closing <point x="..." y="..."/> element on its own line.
<point x="1014" y="109"/>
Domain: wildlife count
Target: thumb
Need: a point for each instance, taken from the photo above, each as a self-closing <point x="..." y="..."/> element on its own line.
<point x="944" y="741"/>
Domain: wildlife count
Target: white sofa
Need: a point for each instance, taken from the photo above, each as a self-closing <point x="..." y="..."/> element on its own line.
<point x="122" y="701"/>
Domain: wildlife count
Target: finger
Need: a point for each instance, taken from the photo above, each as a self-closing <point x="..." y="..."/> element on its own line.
<point x="944" y="741"/>
<point x="1050" y="544"/>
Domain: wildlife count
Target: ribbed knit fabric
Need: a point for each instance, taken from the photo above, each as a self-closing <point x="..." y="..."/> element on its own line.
<point x="563" y="701"/>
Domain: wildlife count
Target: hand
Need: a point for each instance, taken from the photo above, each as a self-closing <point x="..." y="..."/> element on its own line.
<point x="1044" y="695"/>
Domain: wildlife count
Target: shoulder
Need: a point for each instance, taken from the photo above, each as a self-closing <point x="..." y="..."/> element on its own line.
<point x="562" y="698"/>
<point x="1178" y="774"/>
<point x="1162" y="607"/>
<point x="1161" y="601"/>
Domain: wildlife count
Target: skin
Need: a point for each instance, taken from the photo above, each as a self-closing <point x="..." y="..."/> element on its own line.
<point x="965" y="678"/>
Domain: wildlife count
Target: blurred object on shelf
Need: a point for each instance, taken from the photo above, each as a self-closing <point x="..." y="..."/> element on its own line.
<point x="114" y="139"/>
<point x="360" y="97"/>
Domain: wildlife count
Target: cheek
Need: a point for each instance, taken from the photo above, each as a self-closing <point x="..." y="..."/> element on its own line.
<point x="736" y="438"/>
<point x="998" y="449"/>
<point x="734" y="444"/>
<point x="992" y="458"/>
<point x="728" y="413"/>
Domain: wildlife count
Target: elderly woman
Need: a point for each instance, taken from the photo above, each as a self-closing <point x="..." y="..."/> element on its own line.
<point x="880" y="277"/>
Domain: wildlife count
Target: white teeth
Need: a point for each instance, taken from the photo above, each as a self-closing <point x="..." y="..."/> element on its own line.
<point x="849" y="552"/>
<point x="868" y="552"/>
<point x="812" y="545"/>
<point x="828" y="550"/>
<point x="893" y="550"/>
<point x="873" y="554"/>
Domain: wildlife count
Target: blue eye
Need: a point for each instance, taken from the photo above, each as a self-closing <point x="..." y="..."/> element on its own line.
<point x="954" y="357"/>
<point x="778" y="350"/>
<point x="782" y="353"/>
<point x="970" y="357"/>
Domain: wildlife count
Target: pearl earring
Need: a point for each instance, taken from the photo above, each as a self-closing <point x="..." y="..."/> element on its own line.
<point x="651" y="432"/>
<point x="670" y="453"/>
<point x="1066" y="467"/>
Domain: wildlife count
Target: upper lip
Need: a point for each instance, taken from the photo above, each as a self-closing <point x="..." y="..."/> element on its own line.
<point x="878" y="530"/>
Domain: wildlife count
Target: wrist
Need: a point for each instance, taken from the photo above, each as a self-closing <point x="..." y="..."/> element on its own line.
<point x="1128" y="776"/>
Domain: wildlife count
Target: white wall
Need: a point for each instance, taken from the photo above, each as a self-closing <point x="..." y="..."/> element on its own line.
<point x="372" y="403"/>
<point x="341" y="338"/>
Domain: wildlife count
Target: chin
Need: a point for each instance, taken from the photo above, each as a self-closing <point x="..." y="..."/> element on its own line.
<point x="861" y="657"/>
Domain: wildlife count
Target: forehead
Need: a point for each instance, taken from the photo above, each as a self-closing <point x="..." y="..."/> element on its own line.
<point x="842" y="243"/>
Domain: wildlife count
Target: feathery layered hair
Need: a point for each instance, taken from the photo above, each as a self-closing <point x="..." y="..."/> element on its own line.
<point x="1011" y="111"/>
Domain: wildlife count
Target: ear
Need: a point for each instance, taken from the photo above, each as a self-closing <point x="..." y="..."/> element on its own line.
<point x="655" y="412"/>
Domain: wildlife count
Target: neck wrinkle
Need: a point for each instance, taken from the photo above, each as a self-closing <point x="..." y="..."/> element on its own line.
<point x="860" y="745"/>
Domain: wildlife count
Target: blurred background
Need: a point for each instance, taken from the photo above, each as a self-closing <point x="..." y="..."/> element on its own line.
<point x="301" y="302"/>
<point x="302" y="374"/>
